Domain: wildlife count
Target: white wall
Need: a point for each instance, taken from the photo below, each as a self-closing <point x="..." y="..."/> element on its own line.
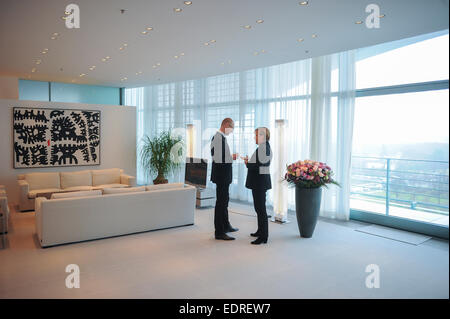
<point x="9" y="87"/>
<point x="118" y="140"/>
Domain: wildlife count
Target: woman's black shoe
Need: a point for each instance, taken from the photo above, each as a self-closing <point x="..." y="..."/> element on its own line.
<point x="255" y="234"/>
<point x="259" y="241"/>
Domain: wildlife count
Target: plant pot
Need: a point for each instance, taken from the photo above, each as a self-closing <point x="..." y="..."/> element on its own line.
<point x="307" y="208"/>
<point x="160" y="179"/>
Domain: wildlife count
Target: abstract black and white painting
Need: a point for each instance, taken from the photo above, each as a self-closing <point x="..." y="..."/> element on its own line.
<point x="55" y="137"/>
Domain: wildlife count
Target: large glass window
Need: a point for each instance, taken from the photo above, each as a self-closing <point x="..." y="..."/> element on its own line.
<point x="400" y="164"/>
<point x="418" y="59"/>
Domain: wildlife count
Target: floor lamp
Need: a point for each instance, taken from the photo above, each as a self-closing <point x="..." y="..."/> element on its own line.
<point x="280" y="188"/>
<point x="190" y="140"/>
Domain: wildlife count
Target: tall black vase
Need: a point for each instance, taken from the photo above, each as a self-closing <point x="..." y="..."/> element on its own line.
<point x="307" y="207"/>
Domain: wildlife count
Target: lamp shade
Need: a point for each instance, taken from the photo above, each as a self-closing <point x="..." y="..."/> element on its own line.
<point x="190" y="140"/>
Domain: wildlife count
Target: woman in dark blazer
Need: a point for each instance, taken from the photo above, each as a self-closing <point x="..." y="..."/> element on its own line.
<point x="258" y="180"/>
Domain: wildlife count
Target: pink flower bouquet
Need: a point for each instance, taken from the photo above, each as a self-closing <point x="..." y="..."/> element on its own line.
<point x="309" y="174"/>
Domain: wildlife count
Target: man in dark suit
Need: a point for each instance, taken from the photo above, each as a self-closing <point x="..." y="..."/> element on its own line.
<point x="222" y="176"/>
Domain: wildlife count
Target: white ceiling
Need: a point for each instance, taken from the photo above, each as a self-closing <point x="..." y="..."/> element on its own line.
<point x="26" y="27"/>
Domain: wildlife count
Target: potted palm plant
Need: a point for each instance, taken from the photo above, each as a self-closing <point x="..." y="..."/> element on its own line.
<point x="161" y="155"/>
<point x="308" y="177"/>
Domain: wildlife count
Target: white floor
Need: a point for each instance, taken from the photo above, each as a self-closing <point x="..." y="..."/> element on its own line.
<point x="188" y="263"/>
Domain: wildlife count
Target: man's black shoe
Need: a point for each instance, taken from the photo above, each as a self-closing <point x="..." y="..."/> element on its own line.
<point x="224" y="237"/>
<point x="231" y="229"/>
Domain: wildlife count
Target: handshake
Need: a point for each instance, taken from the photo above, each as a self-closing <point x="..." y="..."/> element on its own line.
<point x="244" y="158"/>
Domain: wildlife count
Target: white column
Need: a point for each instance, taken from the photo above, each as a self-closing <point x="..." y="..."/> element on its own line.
<point x="280" y="205"/>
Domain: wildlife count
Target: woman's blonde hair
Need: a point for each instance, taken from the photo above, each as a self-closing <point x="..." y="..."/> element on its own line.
<point x="266" y="132"/>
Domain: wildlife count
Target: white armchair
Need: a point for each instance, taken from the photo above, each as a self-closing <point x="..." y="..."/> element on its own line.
<point x="25" y="203"/>
<point x="4" y="211"/>
<point x="128" y="180"/>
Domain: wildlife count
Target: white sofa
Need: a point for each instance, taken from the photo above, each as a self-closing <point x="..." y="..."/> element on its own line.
<point x="75" y="219"/>
<point x="35" y="183"/>
<point x="4" y="211"/>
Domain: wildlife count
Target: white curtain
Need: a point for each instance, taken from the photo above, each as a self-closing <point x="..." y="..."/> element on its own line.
<point x="251" y="98"/>
<point x="332" y="112"/>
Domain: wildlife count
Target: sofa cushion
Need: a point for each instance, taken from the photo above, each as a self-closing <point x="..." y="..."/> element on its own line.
<point x="78" y="188"/>
<point x="42" y="180"/>
<point x="32" y="194"/>
<point x="106" y="176"/>
<point x="72" y="179"/>
<point x="107" y="191"/>
<point x="110" y="186"/>
<point x="76" y="194"/>
<point x="164" y="186"/>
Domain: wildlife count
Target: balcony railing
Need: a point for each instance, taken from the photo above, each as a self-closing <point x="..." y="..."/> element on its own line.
<point x="419" y="185"/>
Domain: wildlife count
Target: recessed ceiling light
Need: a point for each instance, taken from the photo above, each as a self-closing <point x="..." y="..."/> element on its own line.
<point x="247" y="27"/>
<point x="303" y="3"/>
<point x="154" y="66"/>
<point x="260" y="21"/>
<point x="121" y="48"/>
<point x="64" y="17"/>
<point x="125" y="45"/>
<point x="103" y="59"/>
<point x="263" y="51"/>
<point x="359" y="22"/>
<point x="212" y="41"/>
<point x="149" y="28"/>
<point x="188" y="3"/>
<point x="107" y="57"/>
<point x="300" y="40"/>
<point x="53" y="38"/>
<point x="67" y="13"/>
<point x="144" y="32"/>
<point x="92" y="68"/>
<point x="158" y="64"/>
<point x="182" y="54"/>
<point x="38" y="61"/>
<point x="177" y="9"/>
<point x="82" y="74"/>
<point x="176" y="56"/>
<point x="33" y="70"/>
<point x="55" y="34"/>
<point x="314" y="36"/>
<point x="223" y="63"/>
<point x="206" y="43"/>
